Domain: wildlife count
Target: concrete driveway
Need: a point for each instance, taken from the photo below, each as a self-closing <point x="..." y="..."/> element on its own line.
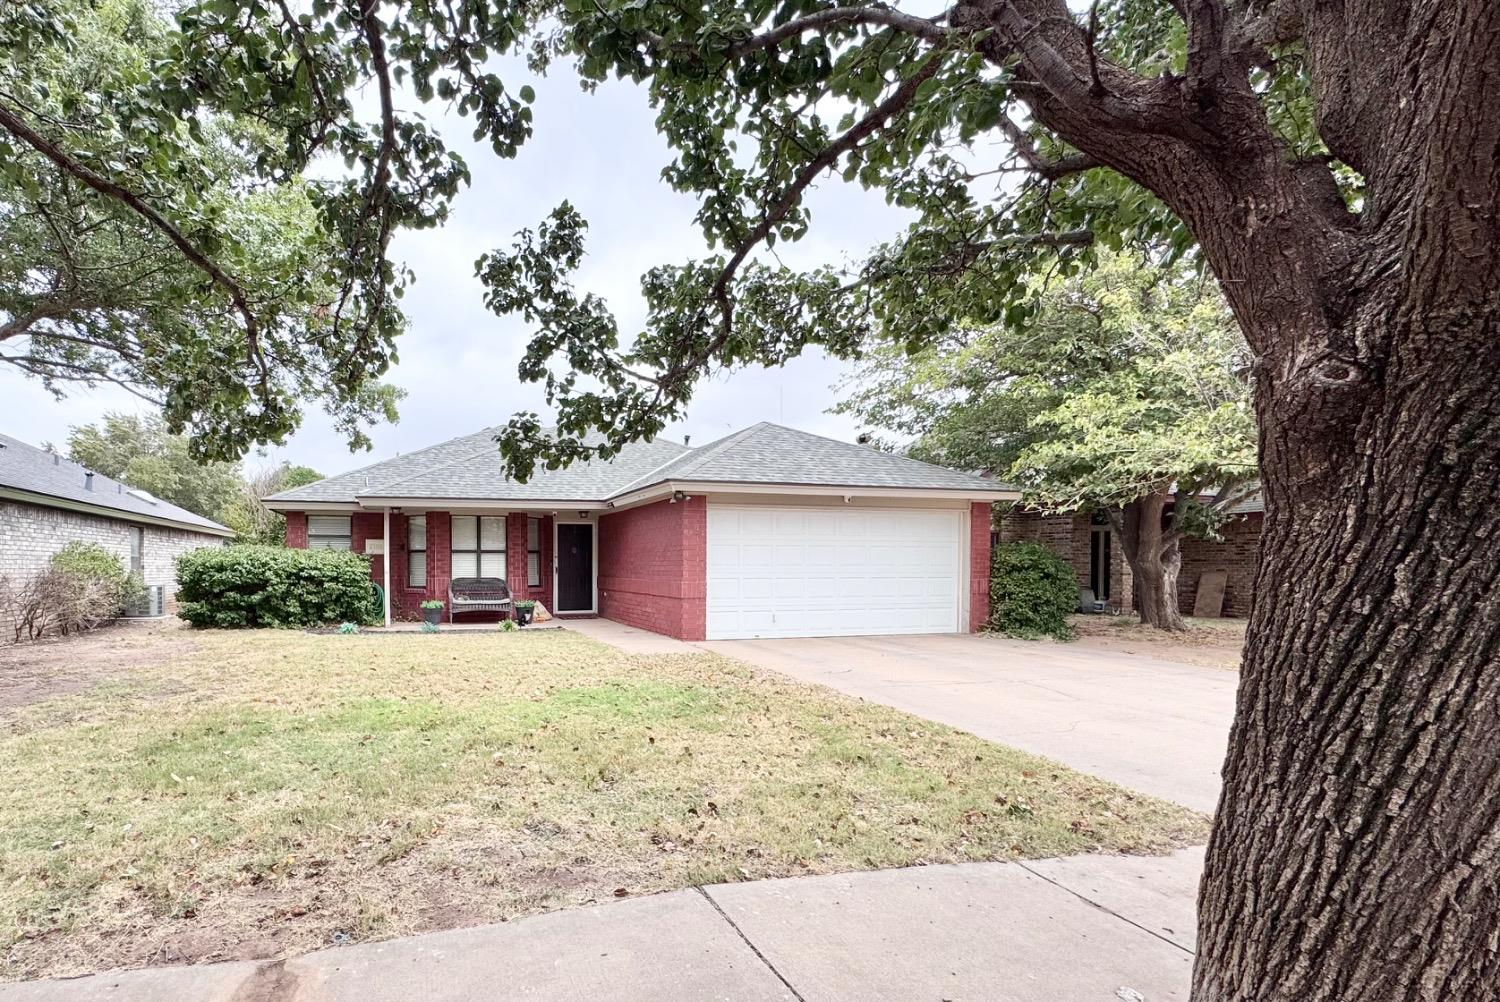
<point x="1155" y="726"/>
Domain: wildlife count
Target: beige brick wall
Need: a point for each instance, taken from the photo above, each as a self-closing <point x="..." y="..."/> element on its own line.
<point x="30" y="534"/>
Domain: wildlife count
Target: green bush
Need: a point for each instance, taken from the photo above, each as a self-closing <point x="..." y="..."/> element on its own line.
<point x="248" y="586"/>
<point x="1032" y="592"/>
<point x="100" y="584"/>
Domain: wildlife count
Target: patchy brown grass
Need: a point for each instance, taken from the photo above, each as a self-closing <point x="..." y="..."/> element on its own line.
<point x="56" y="666"/>
<point x="259" y="794"/>
<point x="1214" y="643"/>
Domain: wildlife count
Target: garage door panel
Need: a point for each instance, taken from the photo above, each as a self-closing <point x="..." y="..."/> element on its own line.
<point x="832" y="571"/>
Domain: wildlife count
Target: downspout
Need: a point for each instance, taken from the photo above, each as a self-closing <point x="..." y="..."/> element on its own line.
<point x="385" y="557"/>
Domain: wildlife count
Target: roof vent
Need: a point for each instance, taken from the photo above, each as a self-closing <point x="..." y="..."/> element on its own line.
<point x="687" y="440"/>
<point x="88" y="480"/>
<point x="56" y="459"/>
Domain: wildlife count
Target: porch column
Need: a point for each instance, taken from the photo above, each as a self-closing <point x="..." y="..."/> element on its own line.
<point x="385" y="556"/>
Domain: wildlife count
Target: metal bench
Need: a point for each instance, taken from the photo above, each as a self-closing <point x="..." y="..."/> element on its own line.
<point x="477" y="595"/>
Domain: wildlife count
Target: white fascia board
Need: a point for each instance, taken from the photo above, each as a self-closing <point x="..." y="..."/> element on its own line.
<point x="337" y="507"/>
<point x="657" y="491"/>
<point x="480" y="504"/>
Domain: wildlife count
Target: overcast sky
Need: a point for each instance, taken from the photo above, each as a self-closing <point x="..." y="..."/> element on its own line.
<point x="458" y="360"/>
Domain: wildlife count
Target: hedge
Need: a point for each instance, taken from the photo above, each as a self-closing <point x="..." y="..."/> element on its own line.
<point x="1032" y="592"/>
<point x="249" y="586"/>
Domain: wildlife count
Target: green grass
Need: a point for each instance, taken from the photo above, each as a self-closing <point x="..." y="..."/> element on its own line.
<point x="269" y="792"/>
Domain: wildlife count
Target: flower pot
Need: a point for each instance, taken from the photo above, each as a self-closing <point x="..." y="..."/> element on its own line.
<point x="523" y="617"/>
<point x="433" y="616"/>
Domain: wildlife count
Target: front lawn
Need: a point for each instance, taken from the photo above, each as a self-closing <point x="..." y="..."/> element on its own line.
<point x="252" y="794"/>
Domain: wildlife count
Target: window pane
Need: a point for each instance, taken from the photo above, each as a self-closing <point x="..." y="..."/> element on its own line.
<point x="328" y="525"/>
<point x="416" y="532"/>
<point x="533" y="534"/>
<point x="492" y="532"/>
<point x="416" y="570"/>
<point x="492" y="565"/>
<point x="465" y="536"/>
<point x="328" y="543"/>
<point x="465" y="565"/>
<point x="533" y="569"/>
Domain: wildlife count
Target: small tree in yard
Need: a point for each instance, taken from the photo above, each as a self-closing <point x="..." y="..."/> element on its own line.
<point x="1127" y="386"/>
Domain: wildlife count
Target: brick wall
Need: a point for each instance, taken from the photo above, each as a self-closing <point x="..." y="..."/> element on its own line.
<point x="406" y="602"/>
<point x="30" y="534"/>
<point x="1236" y="556"/>
<point x="653" y="567"/>
<point x="1069" y="537"/>
<point x="980" y="521"/>
<point x="296" y="530"/>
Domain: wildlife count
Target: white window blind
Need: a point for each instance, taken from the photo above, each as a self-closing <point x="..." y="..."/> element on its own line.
<point x="329" y="532"/>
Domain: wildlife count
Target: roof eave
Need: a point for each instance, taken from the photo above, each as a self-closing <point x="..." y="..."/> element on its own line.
<point x="105" y="511"/>
<point x="667" y="488"/>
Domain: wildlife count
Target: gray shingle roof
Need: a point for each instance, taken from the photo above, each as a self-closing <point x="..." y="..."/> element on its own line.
<point x="479" y="476"/>
<point x="26" y="468"/>
<point x="469" y="468"/>
<point x="772" y="454"/>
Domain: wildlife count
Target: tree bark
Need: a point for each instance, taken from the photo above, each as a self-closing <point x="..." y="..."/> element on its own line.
<point x="1356" y="854"/>
<point x="1154" y="556"/>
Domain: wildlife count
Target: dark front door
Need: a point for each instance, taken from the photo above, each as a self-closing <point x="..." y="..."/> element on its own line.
<point x="575" y="567"/>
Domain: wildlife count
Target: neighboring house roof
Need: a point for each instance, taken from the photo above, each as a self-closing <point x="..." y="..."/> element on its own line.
<point x="40" y="477"/>
<point x="1251" y="505"/>
<point x="469" y="468"/>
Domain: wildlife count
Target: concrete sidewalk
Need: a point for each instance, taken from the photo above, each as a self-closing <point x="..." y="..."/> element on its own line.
<point x="1079" y="928"/>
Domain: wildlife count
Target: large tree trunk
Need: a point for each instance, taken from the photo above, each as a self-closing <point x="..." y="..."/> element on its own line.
<point x="1154" y="561"/>
<point x="1357" y="851"/>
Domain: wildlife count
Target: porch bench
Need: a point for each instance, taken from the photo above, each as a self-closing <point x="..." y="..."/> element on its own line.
<point x="477" y="595"/>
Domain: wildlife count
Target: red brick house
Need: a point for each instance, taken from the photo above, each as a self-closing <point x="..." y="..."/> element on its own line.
<point x="1087" y="542"/>
<point x="769" y="532"/>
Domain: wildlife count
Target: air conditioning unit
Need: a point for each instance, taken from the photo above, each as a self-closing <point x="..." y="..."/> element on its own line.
<point x="150" y="604"/>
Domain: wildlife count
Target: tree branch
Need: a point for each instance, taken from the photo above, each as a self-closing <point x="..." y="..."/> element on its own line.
<point x="928" y="29"/>
<point x="21" y="130"/>
<point x="1049" y="169"/>
<point x="863" y="129"/>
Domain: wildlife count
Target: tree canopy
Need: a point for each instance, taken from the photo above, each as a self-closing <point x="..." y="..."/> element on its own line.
<point x="943" y="114"/>
<point x="200" y="209"/>
<point x="140" y="451"/>
<point x="1129" y="379"/>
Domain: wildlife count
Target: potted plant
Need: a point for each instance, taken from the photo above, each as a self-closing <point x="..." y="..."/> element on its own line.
<point x="432" y="611"/>
<point x="524" y="610"/>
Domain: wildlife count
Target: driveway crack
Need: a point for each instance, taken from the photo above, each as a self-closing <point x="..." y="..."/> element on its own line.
<point x="753" y="948"/>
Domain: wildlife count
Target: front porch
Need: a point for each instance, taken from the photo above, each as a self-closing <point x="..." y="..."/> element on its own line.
<point x="549" y="557"/>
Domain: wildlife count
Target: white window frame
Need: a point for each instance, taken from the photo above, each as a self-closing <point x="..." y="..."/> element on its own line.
<point x="533" y="552"/>
<point x="411" y="563"/>
<point x="479" y="550"/>
<point x="321" y="540"/>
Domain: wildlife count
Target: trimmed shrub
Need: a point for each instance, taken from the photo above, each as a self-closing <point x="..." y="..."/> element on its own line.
<point x="91" y="562"/>
<point x="84" y="586"/>
<point x="250" y="586"/>
<point x="1032" y="592"/>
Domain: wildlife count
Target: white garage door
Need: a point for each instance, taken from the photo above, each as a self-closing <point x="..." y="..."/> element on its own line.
<point x="829" y="572"/>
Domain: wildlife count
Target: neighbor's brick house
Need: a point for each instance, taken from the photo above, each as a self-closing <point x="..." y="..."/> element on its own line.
<point x="47" y="502"/>
<point x="767" y="532"/>
<point x="1088" y="544"/>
